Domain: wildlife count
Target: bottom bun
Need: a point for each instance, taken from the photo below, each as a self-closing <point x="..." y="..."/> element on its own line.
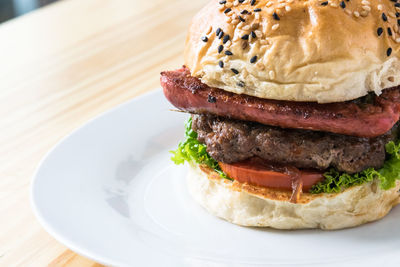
<point x="248" y="205"/>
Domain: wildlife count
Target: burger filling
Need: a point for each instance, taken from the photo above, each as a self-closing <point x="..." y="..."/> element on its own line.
<point x="316" y="148"/>
<point x="231" y="141"/>
<point x="369" y="116"/>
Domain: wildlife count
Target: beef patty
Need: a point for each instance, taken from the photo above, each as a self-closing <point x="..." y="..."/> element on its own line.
<point x="230" y="141"/>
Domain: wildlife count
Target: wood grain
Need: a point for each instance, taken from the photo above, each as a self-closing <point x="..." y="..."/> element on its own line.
<point x="61" y="66"/>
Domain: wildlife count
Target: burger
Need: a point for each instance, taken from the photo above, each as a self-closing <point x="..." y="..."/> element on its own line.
<point x="294" y="109"/>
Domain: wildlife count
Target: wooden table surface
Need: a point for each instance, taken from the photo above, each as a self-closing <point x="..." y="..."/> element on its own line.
<point x="61" y="66"/>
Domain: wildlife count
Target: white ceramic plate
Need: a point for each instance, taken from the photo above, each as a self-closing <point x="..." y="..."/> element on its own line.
<point x="110" y="192"/>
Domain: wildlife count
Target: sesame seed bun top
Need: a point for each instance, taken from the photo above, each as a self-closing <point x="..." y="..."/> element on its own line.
<point x="296" y="50"/>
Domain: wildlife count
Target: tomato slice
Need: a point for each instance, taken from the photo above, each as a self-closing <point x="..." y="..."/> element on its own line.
<point x="257" y="172"/>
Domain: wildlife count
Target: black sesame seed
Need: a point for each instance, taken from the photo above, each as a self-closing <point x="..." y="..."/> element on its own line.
<point x="394" y="1"/>
<point x="218" y="31"/>
<point x="228" y="53"/>
<point x="342" y="4"/>
<point x="240" y="84"/>
<point x="397" y="5"/>
<point x="235" y="71"/>
<point x="241" y="19"/>
<point x="275" y="16"/>
<point x="389" y="51"/>
<point x="212" y="99"/>
<point x="220" y="48"/>
<point x="253" y="34"/>
<point x="324" y="3"/>
<point x="244" y="12"/>
<point x="253" y="2"/>
<point x="253" y="59"/>
<point x="257" y="10"/>
<point x="221" y="34"/>
<point x="221" y="64"/>
<point x="227" y="10"/>
<point x="222" y="2"/>
<point x="245" y="37"/>
<point x="204" y="39"/>
<point x="389" y="31"/>
<point x="241" y="1"/>
<point x="398" y="22"/>
<point x="397" y="14"/>
<point x="384" y="17"/>
<point x="226" y="38"/>
<point x="379" y="31"/>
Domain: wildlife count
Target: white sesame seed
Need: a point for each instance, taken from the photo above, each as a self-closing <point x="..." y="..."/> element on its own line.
<point x="397" y="40"/>
<point x="271" y="74"/>
<point x="269" y="4"/>
<point x="258" y="33"/>
<point x="364" y="13"/>
<point x="288" y="8"/>
<point x="245" y="73"/>
<point x="333" y="4"/>
<point x="246" y="28"/>
<point x="356" y="14"/>
<point x="365" y="2"/>
<point x="275" y="26"/>
<point x="257" y="16"/>
<point x="367" y="8"/>
<point x="380" y="7"/>
<point x="280" y="5"/>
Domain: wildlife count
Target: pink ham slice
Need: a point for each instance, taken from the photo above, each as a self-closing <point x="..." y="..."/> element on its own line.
<point x="354" y="118"/>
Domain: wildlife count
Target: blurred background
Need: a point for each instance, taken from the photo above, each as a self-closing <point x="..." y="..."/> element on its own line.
<point x="64" y="62"/>
<point x="13" y="8"/>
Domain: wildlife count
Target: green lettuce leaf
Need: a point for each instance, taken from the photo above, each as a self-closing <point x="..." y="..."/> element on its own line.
<point x="336" y="182"/>
<point x="191" y="150"/>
